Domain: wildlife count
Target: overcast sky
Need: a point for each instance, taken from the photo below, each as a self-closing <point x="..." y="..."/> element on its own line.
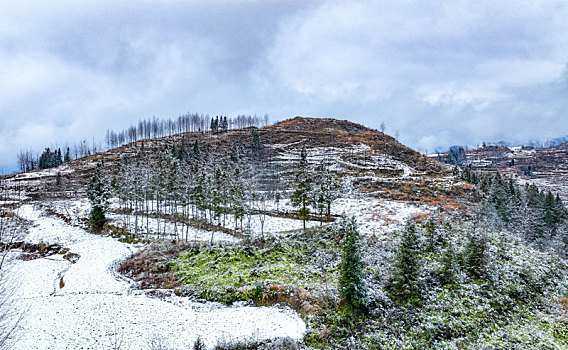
<point x="440" y="72"/>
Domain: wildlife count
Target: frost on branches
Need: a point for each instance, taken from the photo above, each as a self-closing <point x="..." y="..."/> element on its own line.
<point x="98" y="192"/>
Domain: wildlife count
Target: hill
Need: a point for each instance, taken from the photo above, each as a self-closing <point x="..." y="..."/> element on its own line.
<point x="310" y="233"/>
<point x="381" y="164"/>
<point x="546" y="167"/>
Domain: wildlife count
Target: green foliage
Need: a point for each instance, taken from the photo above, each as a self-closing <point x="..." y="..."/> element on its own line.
<point x="67" y="157"/>
<point x="431" y="233"/>
<point x="98" y="193"/>
<point x="475" y="254"/>
<point x="405" y="281"/>
<point x="352" y="288"/>
<point x="255" y="139"/>
<point x="506" y="309"/>
<point x="199" y="345"/>
<point x="97" y="218"/>
<point x="228" y="274"/>
<point x="301" y="197"/>
<point x="196" y="152"/>
<point x="325" y="192"/>
<point x="449" y="264"/>
<point x="538" y="215"/>
<point x="50" y="159"/>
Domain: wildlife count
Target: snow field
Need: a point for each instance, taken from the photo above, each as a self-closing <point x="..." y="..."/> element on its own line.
<point x="193" y="233"/>
<point x="93" y="304"/>
<point x="90" y="321"/>
<point x="376" y="216"/>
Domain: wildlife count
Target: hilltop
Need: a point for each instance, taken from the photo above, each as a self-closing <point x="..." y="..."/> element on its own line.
<point x="381" y="164"/>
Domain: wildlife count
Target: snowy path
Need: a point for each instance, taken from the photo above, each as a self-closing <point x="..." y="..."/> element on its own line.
<point x="94" y="307"/>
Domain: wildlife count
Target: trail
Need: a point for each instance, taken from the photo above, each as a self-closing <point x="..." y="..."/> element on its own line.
<point x="94" y="306"/>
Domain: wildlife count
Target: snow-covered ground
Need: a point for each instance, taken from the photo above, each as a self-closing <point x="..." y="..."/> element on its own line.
<point x="148" y="227"/>
<point x="288" y="153"/>
<point x="374" y="216"/>
<point x="377" y="216"/>
<point x="87" y="306"/>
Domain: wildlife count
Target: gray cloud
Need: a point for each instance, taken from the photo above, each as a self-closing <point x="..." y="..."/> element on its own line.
<point x="441" y="73"/>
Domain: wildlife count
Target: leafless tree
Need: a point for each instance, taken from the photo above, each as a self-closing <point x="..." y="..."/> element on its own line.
<point x="10" y="317"/>
<point x="158" y="342"/>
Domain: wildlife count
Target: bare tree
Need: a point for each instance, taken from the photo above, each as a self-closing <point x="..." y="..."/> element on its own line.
<point x="158" y="342"/>
<point x="10" y="317"/>
<point x="262" y="208"/>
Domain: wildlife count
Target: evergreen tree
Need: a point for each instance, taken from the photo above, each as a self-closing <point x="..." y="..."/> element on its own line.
<point x="58" y="157"/>
<point x="449" y="264"/>
<point x="196" y="152"/>
<point x="405" y="281"/>
<point x="237" y="196"/>
<point x="302" y="195"/>
<point x="430" y="233"/>
<point x="352" y="288"/>
<point x="217" y="193"/>
<point x="255" y="139"/>
<point x="475" y="254"/>
<point x="67" y="157"/>
<point x="98" y="192"/>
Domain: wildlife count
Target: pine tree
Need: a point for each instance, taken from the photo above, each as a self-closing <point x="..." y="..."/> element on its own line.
<point x="225" y="124"/>
<point x="67" y="157"/>
<point x="352" y="288"/>
<point x="237" y="196"/>
<point x="199" y="345"/>
<point x="475" y="254"/>
<point x="302" y="195"/>
<point x="59" y="158"/>
<point x="215" y="124"/>
<point x="405" y="281"/>
<point x="255" y="139"/>
<point x="430" y="233"/>
<point x="98" y="192"/>
<point x="196" y="152"/>
<point x="449" y="264"/>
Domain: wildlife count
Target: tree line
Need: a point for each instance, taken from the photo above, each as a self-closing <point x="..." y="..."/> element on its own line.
<point x="154" y="127"/>
<point x="540" y="216"/>
<point x="28" y="160"/>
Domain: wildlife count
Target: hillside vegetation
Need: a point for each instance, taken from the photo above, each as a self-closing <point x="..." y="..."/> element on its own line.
<point x="373" y="244"/>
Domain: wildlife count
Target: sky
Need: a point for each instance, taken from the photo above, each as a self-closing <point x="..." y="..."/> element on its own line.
<point x="437" y="73"/>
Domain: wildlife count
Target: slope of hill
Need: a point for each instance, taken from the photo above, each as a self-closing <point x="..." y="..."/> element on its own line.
<point x="380" y="163"/>
<point x="198" y="220"/>
<point x="545" y="167"/>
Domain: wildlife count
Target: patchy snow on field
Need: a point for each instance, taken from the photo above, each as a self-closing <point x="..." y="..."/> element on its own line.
<point x="377" y="216"/>
<point x="72" y="208"/>
<point x="49" y="229"/>
<point x="361" y="158"/>
<point x="272" y="224"/>
<point x="37" y="174"/>
<point x="149" y="228"/>
<point x="87" y="306"/>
